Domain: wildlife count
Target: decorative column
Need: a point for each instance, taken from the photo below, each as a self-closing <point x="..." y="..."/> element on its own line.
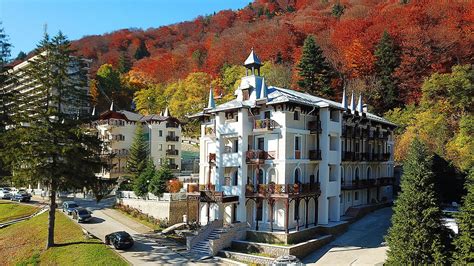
<point x="286" y="215"/>
<point x="271" y="204"/>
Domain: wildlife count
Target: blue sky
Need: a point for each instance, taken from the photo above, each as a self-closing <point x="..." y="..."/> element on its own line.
<point x="23" y="20"/>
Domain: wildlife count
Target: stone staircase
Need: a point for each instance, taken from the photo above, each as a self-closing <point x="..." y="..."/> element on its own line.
<point x="201" y="249"/>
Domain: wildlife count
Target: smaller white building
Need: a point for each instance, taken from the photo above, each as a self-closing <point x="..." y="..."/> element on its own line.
<point x="117" y="130"/>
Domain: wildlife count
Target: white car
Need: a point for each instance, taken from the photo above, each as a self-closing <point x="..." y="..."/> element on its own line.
<point x="5" y="193"/>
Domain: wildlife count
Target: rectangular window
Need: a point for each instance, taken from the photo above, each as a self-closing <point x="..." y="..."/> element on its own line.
<point x="334" y="116"/>
<point x="261" y="144"/>
<point x="297" y="143"/>
<point x="296" y="115"/>
<point x="297" y="211"/>
<point x="236" y="145"/>
<point x="333" y="143"/>
<point x="160" y="147"/>
<point x="160" y="133"/>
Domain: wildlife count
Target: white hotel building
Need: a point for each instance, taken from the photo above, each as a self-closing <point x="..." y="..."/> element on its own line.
<point x="282" y="160"/>
<point x="117" y="130"/>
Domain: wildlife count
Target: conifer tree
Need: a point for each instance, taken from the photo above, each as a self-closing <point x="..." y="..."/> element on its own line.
<point x="141" y="51"/>
<point x="137" y="159"/>
<point x="417" y="235"/>
<point x="464" y="242"/>
<point x="49" y="142"/>
<point x="314" y="70"/>
<point x="338" y="10"/>
<point x="140" y="184"/>
<point x="158" y="185"/>
<point x="387" y="55"/>
<point x="5" y="78"/>
<point x="124" y="64"/>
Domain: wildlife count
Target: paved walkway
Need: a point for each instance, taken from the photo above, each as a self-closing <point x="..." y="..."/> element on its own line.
<point x="362" y="244"/>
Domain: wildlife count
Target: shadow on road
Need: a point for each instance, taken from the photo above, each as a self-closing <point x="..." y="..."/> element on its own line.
<point x="76" y="243"/>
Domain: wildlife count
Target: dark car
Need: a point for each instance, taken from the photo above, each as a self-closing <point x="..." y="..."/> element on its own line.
<point x="21" y="197"/>
<point x="69" y="206"/>
<point x="120" y="240"/>
<point x="81" y="215"/>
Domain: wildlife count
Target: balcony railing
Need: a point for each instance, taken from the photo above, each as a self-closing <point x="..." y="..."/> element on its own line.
<point x="265" y="125"/>
<point x="315" y="155"/>
<point x="284" y="190"/>
<point x="347" y="155"/>
<point x="172" y="152"/>
<point x="172" y="138"/>
<point x="256" y="156"/>
<point x="172" y="166"/>
<point x="367" y="183"/>
<point x="315" y="127"/>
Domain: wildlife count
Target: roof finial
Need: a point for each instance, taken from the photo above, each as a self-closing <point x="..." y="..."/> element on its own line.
<point x="352" y="107"/>
<point x="344" y="100"/>
<point x="359" y="104"/>
<point x="167" y="112"/>
<point x="263" y="90"/>
<point x="93" y="111"/>
<point x="211" y="104"/>
<point x="112" y="106"/>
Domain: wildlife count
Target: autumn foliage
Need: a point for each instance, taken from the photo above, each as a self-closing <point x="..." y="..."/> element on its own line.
<point x="432" y="35"/>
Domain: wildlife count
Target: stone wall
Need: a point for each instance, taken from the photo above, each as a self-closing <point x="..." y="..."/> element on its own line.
<point x="246" y="257"/>
<point x="172" y="211"/>
<point x="234" y="232"/>
<point x="282" y="238"/>
<point x="299" y="250"/>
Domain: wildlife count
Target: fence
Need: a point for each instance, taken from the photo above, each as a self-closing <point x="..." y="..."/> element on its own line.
<point x="165" y="197"/>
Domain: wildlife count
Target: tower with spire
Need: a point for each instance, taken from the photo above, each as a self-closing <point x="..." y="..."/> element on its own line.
<point x="252" y="86"/>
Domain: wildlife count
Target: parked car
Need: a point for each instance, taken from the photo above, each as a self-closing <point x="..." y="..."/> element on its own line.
<point x="81" y="215"/>
<point x="21" y="197"/>
<point x="69" y="206"/>
<point x="5" y="193"/>
<point x="120" y="240"/>
<point x="286" y="260"/>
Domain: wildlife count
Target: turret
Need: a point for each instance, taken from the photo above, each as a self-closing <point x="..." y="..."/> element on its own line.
<point x="253" y="64"/>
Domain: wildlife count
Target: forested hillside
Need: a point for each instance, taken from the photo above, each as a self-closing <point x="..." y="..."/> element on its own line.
<point x="384" y="49"/>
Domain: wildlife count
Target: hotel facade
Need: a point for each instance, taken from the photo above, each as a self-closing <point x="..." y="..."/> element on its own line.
<point x="281" y="160"/>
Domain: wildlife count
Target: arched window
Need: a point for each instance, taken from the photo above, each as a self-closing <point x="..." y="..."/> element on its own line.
<point x="297" y="176"/>
<point x="271" y="176"/>
<point x="369" y="174"/>
<point x="356" y="175"/>
<point x="260" y="176"/>
<point x="342" y="174"/>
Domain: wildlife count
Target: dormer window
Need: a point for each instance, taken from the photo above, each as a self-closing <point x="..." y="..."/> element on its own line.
<point x="296" y="115"/>
<point x="245" y="95"/>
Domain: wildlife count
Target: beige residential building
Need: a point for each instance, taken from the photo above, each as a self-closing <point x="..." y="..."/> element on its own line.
<point x="117" y="130"/>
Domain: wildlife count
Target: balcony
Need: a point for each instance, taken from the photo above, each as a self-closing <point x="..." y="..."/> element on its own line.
<point x="315" y="155"/>
<point x="208" y="193"/>
<point x="172" y="138"/>
<point x="314" y="127"/>
<point x="281" y="190"/>
<point x="172" y="152"/>
<point x="264" y="125"/>
<point x="369" y="134"/>
<point x="172" y="125"/>
<point x="347" y="156"/>
<point x="356" y="184"/>
<point x="256" y="156"/>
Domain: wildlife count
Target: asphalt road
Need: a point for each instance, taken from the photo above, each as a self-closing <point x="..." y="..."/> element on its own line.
<point x="362" y="244"/>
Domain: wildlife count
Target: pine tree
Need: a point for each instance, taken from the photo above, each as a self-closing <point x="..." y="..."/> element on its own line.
<point x="137" y="159"/>
<point x="464" y="242"/>
<point x="140" y="184"/>
<point x="158" y="185"/>
<point x="387" y="55"/>
<point x="21" y="56"/>
<point x="5" y="78"/>
<point x="314" y="70"/>
<point x="338" y="10"/>
<point x="49" y="142"/>
<point x="417" y="235"/>
<point x="124" y="64"/>
<point x="141" y="51"/>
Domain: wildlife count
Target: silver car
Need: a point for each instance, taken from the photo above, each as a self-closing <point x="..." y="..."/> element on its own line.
<point x="5" y="193"/>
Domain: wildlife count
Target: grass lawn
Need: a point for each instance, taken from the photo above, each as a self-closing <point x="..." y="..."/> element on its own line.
<point x="10" y="210"/>
<point x="24" y="244"/>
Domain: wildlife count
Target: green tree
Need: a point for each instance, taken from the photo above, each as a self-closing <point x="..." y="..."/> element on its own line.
<point x="314" y="70"/>
<point x="21" y="56"/>
<point x="152" y="100"/>
<point x="5" y="96"/>
<point x="139" y="150"/>
<point x="158" y="185"/>
<point x="278" y="75"/>
<point x="124" y="63"/>
<point x="460" y="149"/>
<point x="50" y="144"/>
<point x="417" y="234"/>
<point x="141" y="51"/>
<point x="140" y="184"/>
<point x="387" y="55"/>
<point x="338" y="10"/>
<point x="464" y="241"/>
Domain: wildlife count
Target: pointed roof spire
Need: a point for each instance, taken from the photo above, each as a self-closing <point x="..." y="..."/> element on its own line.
<point x="252" y="59"/>
<point x="167" y="112"/>
<point x="352" y="107"/>
<point x="344" y="100"/>
<point x="93" y="111"/>
<point x="359" y="104"/>
<point x="263" y="90"/>
<point x="211" y="104"/>
<point x="112" y="106"/>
